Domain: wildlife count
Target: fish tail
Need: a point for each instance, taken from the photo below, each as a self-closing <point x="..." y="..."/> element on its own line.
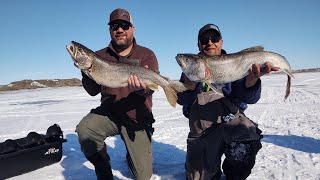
<point x="289" y="73"/>
<point x="178" y="86"/>
<point x="171" y="96"/>
<point x="288" y="87"/>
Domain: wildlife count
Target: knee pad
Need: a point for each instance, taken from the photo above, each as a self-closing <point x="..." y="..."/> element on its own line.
<point x="240" y="151"/>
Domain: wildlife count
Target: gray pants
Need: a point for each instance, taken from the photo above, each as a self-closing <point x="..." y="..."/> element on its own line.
<point x="93" y="129"/>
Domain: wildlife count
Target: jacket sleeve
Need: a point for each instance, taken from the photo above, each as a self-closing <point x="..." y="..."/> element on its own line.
<point x="187" y="97"/>
<point x="152" y="63"/>
<point x="90" y="85"/>
<point x="242" y="94"/>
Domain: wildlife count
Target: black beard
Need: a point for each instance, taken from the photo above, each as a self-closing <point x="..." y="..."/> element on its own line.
<point x="121" y="47"/>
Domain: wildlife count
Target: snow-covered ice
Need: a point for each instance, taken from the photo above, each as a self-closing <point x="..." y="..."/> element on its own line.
<point x="291" y="143"/>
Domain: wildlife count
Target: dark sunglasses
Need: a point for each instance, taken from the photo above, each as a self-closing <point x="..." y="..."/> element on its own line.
<point x="214" y="39"/>
<point x="116" y="26"/>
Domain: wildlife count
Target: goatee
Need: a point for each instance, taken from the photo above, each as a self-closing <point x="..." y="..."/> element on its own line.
<point x="122" y="46"/>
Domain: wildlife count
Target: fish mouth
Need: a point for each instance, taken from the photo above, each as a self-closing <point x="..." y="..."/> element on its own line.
<point x="72" y="50"/>
<point x="178" y="60"/>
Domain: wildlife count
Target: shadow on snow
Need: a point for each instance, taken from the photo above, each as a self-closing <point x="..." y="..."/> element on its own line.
<point x="299" y="143"/>
<point x="168" y="160"/>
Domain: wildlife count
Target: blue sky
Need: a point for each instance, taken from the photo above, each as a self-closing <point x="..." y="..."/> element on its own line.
<point x="34" y="33"/>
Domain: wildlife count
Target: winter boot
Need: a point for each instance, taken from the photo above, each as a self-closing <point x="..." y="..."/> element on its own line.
<point x="101" y="162"/>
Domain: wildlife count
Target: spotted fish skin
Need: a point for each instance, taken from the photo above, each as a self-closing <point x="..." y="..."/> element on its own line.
<point x="231" y="67"/>
<point x="115" y="75"/>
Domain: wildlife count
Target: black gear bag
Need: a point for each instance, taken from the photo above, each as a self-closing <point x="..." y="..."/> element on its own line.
<point x="32" y="152"/>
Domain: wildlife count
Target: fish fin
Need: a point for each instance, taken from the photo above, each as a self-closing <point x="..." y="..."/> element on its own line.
<point x="135" y="62"/>
<point x="213" y="88"/>
<point x="212" y="58"/>
<point x="87" y="72"/>
<point x="153" y="86"/>
<point x="171" y="96"/>
<point x="253" y="49"/>
<point x="179" y="86"/>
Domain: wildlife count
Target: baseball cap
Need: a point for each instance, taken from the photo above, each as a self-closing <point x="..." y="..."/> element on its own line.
<point x="209" y="27"/>
<point x="120" y="14"/>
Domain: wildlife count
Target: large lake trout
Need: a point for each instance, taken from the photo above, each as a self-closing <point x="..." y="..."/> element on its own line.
<point x="230" y="67"/>
<point x="114" y="75"/>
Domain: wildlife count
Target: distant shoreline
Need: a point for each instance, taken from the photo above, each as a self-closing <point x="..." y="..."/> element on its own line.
<point x="34" y="84"/>
<point x="306" y="70"/>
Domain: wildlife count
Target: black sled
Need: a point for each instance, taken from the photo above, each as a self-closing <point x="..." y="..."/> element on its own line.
<point x="32" y="152"/>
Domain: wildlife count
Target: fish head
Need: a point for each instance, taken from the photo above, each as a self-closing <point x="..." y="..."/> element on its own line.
<point x="81" y="55"/>
<point x="193" y="66"/>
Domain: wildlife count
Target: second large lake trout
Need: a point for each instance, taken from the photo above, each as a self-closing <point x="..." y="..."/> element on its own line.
<point x="230" y="67"/>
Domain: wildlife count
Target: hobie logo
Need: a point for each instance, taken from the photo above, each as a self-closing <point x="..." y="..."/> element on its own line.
<point x="125" y="14"/>
<point x="51" y="151"/>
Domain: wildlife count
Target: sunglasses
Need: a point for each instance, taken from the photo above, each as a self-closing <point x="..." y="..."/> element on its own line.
<point x="214" y="39"/>
<point x="116" y="26"/>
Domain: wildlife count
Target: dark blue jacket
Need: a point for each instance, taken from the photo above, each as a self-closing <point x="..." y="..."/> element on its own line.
<point x="236" y="92"/>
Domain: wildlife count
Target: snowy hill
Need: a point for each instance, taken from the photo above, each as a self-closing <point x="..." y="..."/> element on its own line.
<point x="34" y="84"/>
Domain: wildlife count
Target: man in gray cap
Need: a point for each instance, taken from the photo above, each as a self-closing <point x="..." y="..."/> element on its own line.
<point x="126" y="110"/>
<point x="217" y="123"/>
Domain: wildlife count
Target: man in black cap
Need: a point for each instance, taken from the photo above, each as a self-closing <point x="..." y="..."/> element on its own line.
<point x="217" y="123"/>
<point x="126" y="110"/>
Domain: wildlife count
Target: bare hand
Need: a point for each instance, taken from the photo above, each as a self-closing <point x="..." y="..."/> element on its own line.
<point x="136" y="84"/>
<point x="255" y="72"/>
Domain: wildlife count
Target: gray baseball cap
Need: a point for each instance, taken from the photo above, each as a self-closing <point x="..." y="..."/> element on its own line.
<point x="209" y="27"/>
